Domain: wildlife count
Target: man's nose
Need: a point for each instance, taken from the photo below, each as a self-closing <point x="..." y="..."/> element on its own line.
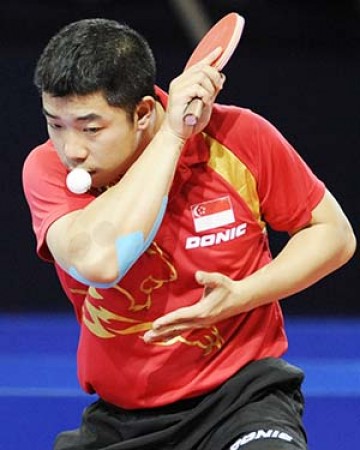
<point x="74" y="150"/>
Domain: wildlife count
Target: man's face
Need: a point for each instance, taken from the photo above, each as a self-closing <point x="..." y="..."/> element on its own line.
<point x="87" y="132"/>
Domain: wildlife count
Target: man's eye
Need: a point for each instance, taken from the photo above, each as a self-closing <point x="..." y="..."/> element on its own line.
<point x="54" y="126"/>
<point x="92" y="130"/>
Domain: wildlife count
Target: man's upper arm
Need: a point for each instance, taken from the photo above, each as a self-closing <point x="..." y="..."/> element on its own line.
<point x="328" y="212"/>
<point x="57" y="238"/>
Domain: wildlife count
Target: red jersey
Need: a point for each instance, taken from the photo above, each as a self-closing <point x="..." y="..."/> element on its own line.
<point x="234" y="178"/>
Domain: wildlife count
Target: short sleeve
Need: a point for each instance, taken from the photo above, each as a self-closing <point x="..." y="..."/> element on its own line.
<point x="288" y="188"/>
<point x="46" y="194"/>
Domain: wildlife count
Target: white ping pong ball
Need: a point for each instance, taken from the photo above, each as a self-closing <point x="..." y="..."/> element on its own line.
<point x="78" y="181"/>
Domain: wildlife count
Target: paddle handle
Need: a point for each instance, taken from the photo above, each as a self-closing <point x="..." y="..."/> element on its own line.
<point x="193" y="112"/>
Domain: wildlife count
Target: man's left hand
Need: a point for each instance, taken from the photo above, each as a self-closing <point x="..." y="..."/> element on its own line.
<point x="219" y="301"/>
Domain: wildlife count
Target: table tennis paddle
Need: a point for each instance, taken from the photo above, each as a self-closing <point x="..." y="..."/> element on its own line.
<point x="226" y="34"/>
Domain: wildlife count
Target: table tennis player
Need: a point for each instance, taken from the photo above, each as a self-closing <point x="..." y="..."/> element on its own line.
<point x="166" y="257"/>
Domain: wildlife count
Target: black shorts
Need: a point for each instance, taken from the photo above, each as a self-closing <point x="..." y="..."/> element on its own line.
<point x="259" y="408"/>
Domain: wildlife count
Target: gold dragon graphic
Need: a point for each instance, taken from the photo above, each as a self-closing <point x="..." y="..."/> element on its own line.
<point x="106" y="324"/>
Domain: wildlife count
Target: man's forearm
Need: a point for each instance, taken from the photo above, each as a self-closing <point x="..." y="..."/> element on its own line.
<point x="130" y="210"/>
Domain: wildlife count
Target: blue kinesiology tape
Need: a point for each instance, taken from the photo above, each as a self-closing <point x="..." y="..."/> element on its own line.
<point x="128" y="249"/>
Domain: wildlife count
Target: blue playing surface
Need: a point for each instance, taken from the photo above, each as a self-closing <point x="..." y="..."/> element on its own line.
<point x="40" y="395"/>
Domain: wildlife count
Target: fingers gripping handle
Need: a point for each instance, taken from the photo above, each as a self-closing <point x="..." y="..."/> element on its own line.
<point x="193" y="112"/>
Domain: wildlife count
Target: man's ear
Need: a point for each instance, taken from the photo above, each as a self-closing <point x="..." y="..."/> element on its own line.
<point x="143" y="112"/>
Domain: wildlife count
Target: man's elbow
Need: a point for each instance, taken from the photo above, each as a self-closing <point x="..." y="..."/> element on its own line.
<point x="105" y="267"/>
<point x="97" y="271"/>
<point x="346" y="243"/>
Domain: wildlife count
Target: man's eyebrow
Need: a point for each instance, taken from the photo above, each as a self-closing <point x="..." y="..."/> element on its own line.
<point x="47" y="114"/>
<point x="85" y="118"/>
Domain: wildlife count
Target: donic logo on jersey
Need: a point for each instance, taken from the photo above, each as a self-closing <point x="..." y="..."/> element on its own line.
<point x="261" y="434"/>
<point x="212" y="214"/>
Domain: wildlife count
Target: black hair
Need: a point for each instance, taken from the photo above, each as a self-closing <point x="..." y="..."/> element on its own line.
<point x="98" y="55"/>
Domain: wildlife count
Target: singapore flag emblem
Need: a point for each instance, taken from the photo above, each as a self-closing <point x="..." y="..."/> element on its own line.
<point x="212" y="214"/>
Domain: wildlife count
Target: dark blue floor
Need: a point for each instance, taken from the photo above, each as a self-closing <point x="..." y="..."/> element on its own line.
<point x="40" y="396"/>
